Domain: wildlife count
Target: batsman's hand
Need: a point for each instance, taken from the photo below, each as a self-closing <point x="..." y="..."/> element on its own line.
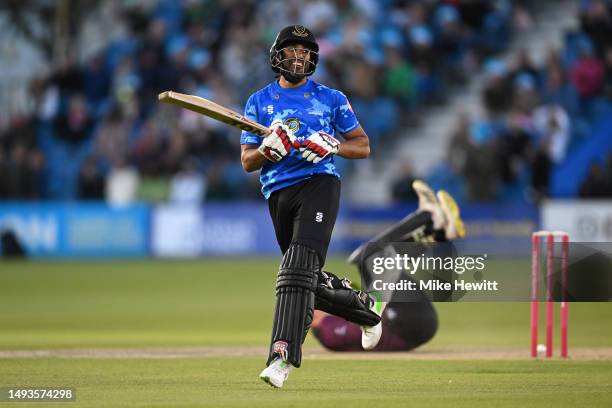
<point x="277" y="144"/>
<point x="318" y="146"/>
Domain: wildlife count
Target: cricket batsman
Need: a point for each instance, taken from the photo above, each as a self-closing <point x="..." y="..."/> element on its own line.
<point x="300" y="182"/>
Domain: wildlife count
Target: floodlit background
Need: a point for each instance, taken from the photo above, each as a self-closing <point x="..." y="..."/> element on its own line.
<point x="140" y="229"/>
<point x="504" y="104"/>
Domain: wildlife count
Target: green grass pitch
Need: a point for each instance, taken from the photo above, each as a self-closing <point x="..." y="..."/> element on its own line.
<point x="228" y="304"/>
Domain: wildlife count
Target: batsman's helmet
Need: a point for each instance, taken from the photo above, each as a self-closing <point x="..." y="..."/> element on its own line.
<point x="295" y="34"/>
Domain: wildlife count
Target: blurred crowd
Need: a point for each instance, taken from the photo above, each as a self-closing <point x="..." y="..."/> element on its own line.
<point x="537" y="117"/>
<point x="99" y="133"/>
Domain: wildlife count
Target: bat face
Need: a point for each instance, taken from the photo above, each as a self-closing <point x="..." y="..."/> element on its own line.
<point x="213" y="110"/>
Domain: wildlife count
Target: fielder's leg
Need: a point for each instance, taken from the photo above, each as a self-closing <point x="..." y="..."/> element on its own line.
<point x="416" y="227"/>
<point x="437" y="219"/>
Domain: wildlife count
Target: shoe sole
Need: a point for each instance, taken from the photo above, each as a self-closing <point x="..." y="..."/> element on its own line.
<point x="422" y="188"/>
<point x="451" y="210"/>
<point x="267" y="380"/>
<point x="432" y="204"/>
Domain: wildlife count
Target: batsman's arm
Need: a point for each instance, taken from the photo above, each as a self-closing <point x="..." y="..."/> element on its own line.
<point x="356" y="144"/>
<point x="251" y="158"/>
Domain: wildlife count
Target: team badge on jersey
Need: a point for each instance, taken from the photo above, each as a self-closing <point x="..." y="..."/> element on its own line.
<point x="293" y="124"/>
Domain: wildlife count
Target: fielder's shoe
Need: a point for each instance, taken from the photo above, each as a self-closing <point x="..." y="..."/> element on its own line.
<point x="429" y="202"/>
<point x="370" y="335"/>
<point x="276" y="373"/>
<point x="454" y="227"/>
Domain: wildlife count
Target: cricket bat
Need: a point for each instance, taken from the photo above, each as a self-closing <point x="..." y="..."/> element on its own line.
<point x="213" y="110"/>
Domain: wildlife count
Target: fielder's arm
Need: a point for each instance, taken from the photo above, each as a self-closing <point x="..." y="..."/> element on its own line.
<point x="356" y="144"/>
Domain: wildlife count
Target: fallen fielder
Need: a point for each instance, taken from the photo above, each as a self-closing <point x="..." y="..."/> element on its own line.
<point x="408" y="320"/>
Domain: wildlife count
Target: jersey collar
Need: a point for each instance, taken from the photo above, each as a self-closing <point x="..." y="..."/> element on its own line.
<point x="297" y="89"/>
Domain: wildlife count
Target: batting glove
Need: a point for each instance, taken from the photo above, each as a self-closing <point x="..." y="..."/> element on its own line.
<point x="318" y="146"/>
<point x="277" y="144"/>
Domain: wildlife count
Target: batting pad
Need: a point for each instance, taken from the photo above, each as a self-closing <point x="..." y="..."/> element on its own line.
<point x="335" y="296"/>
<point x="295" y="286"/>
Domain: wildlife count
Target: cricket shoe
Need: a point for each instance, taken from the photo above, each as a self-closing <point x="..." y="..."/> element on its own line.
<point x="370" y="335"/>
<point x="429" y="202"/>
<point x="454" y="224"/>
<point x="276" y="373"/>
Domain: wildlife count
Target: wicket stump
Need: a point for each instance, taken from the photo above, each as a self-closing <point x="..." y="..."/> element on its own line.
<point x="536" y="239"/>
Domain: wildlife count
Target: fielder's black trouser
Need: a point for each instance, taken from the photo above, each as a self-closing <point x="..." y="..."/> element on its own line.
<point x="415" y="227"/>
<point x="305" y="213"/>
